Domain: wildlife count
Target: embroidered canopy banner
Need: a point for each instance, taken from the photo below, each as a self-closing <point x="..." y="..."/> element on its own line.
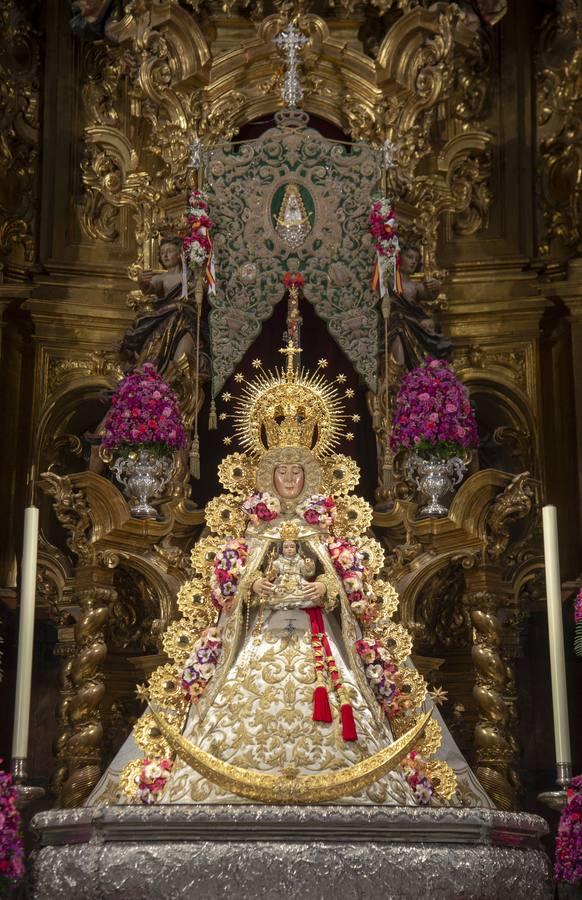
<point x="292" y="200"/>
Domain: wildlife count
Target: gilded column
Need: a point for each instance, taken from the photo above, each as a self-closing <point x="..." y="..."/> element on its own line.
<point x="493" y="742"/>
<point x="82" y="752"/>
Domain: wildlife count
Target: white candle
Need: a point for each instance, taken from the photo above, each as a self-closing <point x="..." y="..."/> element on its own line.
<point x="556" y="637"/>
<point x="25" y="634"/>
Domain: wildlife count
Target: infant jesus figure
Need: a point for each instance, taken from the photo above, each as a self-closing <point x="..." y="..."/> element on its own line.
<point x="288" y="574"/>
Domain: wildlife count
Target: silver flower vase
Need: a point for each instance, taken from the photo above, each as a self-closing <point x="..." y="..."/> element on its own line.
<point x="144" y="476"/>
<point x="435" y="478"/>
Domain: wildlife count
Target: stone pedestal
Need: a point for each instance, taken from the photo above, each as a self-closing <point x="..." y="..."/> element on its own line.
<point x="289" y="853"/>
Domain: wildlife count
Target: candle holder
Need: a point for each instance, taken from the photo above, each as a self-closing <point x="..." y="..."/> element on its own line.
<point x="558" y="799"/>
<point x="26" y="793"/>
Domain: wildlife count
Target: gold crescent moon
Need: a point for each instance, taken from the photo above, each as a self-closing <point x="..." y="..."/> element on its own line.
<point x="267" y="788"/>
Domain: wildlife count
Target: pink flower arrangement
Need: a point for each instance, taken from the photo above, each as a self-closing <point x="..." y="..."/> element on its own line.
<point x="262" y="507"/>
<point x="152" y="779"/>
<point x="318" y="510"/>
<point x="11" y="849"/>
<point x="432" y="413"/>
<point x="415" y="772"/>
<point x="384" y="676"/>
<point x="201" y="663"/>
<point x="144" y="414"/>
<point x="578" y="623"/>
<point x="348" y="563"/>
<point x="197" y="245"/>
<point x="227" y="568"/>
<point x="568" y="865"/>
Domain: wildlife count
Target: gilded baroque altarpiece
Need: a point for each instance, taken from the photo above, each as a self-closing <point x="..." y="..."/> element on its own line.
<point x="95" y="170"/>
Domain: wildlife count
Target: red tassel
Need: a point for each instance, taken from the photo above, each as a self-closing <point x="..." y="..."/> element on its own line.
<point x="321" y="707"/>
<point x="349" y="732"/>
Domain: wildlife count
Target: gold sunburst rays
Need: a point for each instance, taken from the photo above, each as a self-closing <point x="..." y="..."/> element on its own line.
<point x="287" y="408"/>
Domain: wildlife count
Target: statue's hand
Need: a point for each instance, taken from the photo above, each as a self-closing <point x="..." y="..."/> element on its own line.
<point x="432" y="287"/>
<point x="144" y="279"/>
<point x="314" y="590"/>
<point x="263" y="587"/>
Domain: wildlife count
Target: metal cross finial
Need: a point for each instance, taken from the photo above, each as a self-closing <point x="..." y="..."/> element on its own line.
<point x="290" y="352"/>
<point x="291" y="41"/>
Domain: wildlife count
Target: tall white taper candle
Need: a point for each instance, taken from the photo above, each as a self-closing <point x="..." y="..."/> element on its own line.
<point x="25" y="634"/>
<point x="556" y="638"/>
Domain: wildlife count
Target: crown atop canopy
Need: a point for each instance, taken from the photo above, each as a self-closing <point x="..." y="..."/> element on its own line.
<point x="289" y="408"/>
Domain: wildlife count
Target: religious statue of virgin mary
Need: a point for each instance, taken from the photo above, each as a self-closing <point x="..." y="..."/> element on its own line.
<point x="288" y="680"/>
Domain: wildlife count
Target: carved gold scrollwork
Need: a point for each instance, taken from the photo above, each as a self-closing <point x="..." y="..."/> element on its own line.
<point x="516" y="502"/>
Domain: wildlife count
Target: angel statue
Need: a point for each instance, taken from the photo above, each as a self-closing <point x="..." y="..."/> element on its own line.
<point x="288" y="681"/>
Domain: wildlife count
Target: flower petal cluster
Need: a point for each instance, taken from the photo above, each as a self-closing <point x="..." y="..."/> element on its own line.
<point x="144" y="411"/>
<point x="383" y="227"/>
<point x="384" y="677"/>
<point x="433" y="413"/>
<point x="568" y="865"/>
<point x="262" y="506"/>
<point x="152" y="778"/>
<point x="415" y="772"/>
<point x="227" y="568"/>
<point x="318" y="510"/>
<point x="201" y="663"/>
<point x="348" y="563"/>
<point x="197" y="245"/>
<point x="11" y="848"/>
<point x="293" y="279"/>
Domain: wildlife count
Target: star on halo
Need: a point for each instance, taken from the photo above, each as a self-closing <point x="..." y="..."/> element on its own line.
<point x="341" y="378"/>
<point x="322" y="363"/>
<point x="350" y="393"/>
<point x="227" y="441"/>
<point x="226" y="396"/>
<point x="256" y="364"/>
<point x="239" y="377"/>
<point x="350" y="436"/>
<point x="222" y="417"/>
<point x="355" y="418"/>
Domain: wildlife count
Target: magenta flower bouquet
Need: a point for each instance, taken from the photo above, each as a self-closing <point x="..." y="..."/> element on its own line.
<point x="578" y="623"/>
<point x="568" y="865"/>
<point x="144" y="415"/>
<point x="11" y="849"/>
<point x="432" y="414"/>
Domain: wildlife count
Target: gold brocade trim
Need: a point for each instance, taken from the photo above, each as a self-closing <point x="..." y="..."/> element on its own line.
<point x="442" y="777"/>
<point x="353" y="517"/>
<point x="395" y="638"/>
<point x="237" y="473"/>
<point x="127" y="779"/>
<point x="225" y="517"/>
<point x="373" y="555"/>
<point x="149" y="738"/>
<point x="267" y="788"/>
<point x="387" y="600"/>
<point x="430" y="741"/>
<point x="340" y="474"/>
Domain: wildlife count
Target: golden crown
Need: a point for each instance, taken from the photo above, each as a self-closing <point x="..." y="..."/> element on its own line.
<point x="289" y="408"/>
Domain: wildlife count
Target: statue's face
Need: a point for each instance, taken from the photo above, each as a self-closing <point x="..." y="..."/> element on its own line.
<point x="288" y="480"/>
<point x="169" y="255"/>
<point x="409" y="261"/>
<point x="289" y="549"/>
